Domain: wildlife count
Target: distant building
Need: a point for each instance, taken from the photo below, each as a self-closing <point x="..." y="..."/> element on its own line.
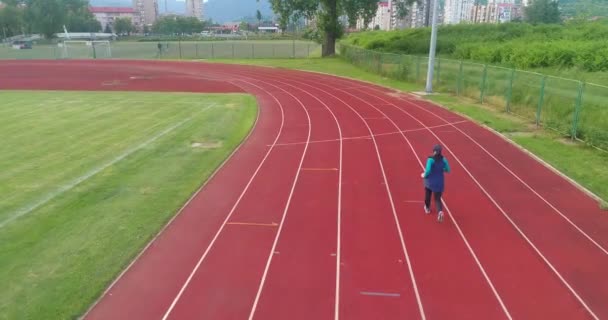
<point x="194" y="8"/>
<point x="419" y="15"/>
<point x="495" y="13"/>
<point x="456" y="11"/>
<point x="147" y="10"/>
<point x="107" y="15"/>
<point x="382" y="19"/>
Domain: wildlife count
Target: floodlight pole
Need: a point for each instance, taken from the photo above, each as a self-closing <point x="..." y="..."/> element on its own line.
<point x="429" y="75"/>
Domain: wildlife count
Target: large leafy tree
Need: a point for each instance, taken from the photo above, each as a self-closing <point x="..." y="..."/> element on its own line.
<point x="11" y="21"/>
<point x="46" y="16"/>
<point x="404" y="6"/>
<point x="49" y="16"/>
<point x="542" y="11"/>
<point x="123" y="25"/>
<point x="178" y="25"/>
<point x="356" y="9"/>
<point x="327" y="14"/>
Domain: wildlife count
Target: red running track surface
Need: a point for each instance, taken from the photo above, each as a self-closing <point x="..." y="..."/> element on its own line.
<point x="318" y="214"/>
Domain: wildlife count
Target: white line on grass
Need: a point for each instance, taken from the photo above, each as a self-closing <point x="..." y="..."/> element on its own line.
<point x="50" y="196"/>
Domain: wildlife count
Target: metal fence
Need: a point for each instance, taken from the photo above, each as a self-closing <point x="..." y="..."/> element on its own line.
<point x="255" y="49"/>
<point x="573" y="108"/>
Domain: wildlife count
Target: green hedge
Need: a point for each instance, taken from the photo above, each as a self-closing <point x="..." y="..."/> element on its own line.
<point x="520" y="45"/>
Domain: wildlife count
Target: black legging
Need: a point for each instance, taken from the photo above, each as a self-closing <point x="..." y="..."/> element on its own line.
<point x="427" y="199"/>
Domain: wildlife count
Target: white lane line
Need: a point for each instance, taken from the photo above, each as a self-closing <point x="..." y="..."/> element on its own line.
<point x="369" y="137"/>
<point x="390" y="197"/>
<point x="523" y="235"/>
<point x="287" y="207"/>
<point x="219" y="231"/>
<point x="574" y="225"/>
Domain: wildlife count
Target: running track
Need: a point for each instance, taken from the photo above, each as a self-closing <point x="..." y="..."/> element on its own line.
<point x="318" y="215"/>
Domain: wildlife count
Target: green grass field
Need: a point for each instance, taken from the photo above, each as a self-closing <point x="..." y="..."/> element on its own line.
<point x="88" y="179"/>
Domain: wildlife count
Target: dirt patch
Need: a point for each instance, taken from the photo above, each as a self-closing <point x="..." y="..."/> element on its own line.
<point x="520" y="134"/>
<point x="232" y="106"/>
<point x="206" y="145"/>
<point x="140" y="77"/>
<point x="146" y="190"/>
<point x="110" y="83"/>
<point x="568" y="141"/>
<point x="399" y="95"/>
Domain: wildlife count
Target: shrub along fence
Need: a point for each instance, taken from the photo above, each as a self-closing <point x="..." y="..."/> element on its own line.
<point x="573" y="108"/>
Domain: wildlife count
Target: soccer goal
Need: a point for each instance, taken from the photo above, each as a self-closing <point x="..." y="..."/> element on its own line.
<point x="95" y="49"/>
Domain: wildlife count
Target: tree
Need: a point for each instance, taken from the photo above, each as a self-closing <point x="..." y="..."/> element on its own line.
<point x="403" y="7"/>
<point x="47" y="16"/>
<point x="542" y="11"/>
<point x="327" y="13"/>
<point x="177" y="25"/>
<point x="81" y="20"/>
<point x="359" y="9"/>
<point x="123" y="25"/>
<point x="368" y="10"/>
<point x="11" y="21"/>
<point x="258" y="15"/>
<point x="107" y="29"/>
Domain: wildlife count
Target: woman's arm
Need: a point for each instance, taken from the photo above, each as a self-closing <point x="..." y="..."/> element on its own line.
<point x="446" y="166"/>
<point x="429" y="165"/>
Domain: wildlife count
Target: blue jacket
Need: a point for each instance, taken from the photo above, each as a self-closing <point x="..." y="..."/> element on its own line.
<point x="433" y="174"/>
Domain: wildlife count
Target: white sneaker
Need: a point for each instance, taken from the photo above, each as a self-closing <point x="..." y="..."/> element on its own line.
<point x="440" y="216"/>
<point x="427" y="210"/>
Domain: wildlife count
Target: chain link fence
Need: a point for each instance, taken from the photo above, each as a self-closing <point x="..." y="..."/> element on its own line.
<point x="255" y="49"/>
<point x="573" y="108"/>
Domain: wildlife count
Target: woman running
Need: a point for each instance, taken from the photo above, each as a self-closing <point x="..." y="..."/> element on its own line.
<point x="433" y="176"/>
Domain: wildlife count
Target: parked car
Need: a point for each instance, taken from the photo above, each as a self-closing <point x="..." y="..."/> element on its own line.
<point x="22" y="44"/>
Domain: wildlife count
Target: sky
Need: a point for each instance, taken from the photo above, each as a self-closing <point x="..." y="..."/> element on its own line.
<point x="176" y="6"/>
<point x="218" y="10"/>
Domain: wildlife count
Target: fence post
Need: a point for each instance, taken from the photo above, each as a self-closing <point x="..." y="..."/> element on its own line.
<point x="180" y="48"/>
<point x="510" y="92"/>
<point x="294" y="48"/>
<point x="233" y="50"/>
<point x="402" y="68"/>
<point x="253" y="50"/>
<point x="541" y="100"/>
<point x="196" y="50"/>
<point x="577" y="109"/>
<point x="380" y="55"/>
<point x="308" y="55"/>
<point x="212" y="51"/>
<point x="460" y="78"/>
<point x="273" y="55"/>
<point x="437" y="80"/>
<point x="484" y="79"/>
<point x="417" y="69"/>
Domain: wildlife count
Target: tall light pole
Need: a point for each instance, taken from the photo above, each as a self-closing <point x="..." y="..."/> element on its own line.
<point x="430" y="72"/>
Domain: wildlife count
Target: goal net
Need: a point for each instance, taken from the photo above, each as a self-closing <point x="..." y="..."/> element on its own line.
<point x="96" y="49"/>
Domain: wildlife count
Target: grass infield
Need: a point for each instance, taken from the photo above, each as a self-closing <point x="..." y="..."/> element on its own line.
<point x="88" y="178"/>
